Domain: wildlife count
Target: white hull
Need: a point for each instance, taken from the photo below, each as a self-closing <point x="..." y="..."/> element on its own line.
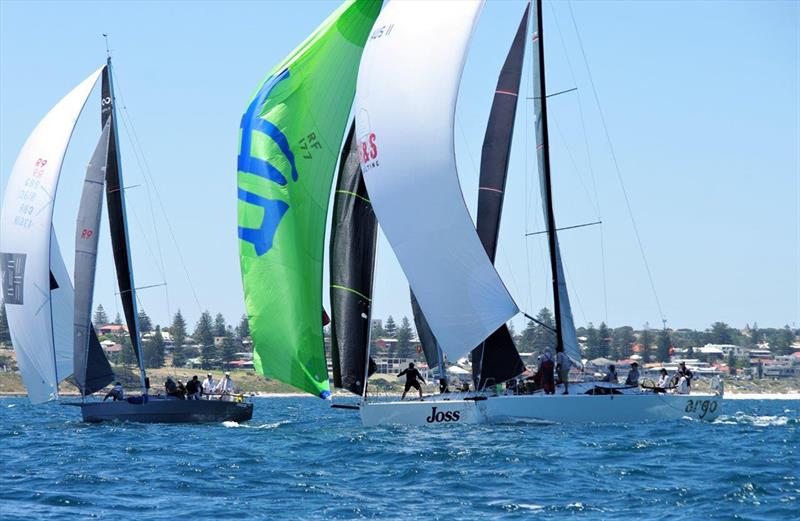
<point x="631" y="407"/>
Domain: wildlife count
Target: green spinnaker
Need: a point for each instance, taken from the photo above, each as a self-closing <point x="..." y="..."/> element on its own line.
<point x="288" y="147"/>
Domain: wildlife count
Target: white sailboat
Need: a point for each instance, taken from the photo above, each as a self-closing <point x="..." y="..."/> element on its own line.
<point x="50" y="323"/>
<point x="405" y="128"/>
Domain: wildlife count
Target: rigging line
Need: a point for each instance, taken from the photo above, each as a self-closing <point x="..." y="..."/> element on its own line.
<point x="576" y="169"/>
<point x="161" y="205"/>
<point x="526" y="198"/>
<point x="589" y="162"/>
<point x="565" y="228"/>
<point x="616" y="164"/>
<point x="573" y="89"/>
<point x="574" y="292"/>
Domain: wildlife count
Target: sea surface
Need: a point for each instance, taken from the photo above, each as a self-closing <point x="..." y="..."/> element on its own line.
<point x="300" y="459"/>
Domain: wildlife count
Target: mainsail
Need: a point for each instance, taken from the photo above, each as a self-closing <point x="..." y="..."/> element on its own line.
<point x="565" y="325"/>
<point x="354" y="231"/>
<point x="91" y="368"/>
<point x="290" y="139"/>
<point x="36" y="286"/>
<point x="497" y="359"/>
<point x="405" y="108"/>
<point x="118" y="222"/>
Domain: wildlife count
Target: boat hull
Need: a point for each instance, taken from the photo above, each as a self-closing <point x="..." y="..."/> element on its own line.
<point x="167" y="411"/>
<point x="540" y="408"/>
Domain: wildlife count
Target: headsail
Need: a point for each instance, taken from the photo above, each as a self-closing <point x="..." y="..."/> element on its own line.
<point x="565" y="324"/>
<point x="497" y="359"/>
<point x="290" y="139"/>
<point x="91" y="369"/>
<point x="405" y="109"/>
<point x="37" y="296"/>
<point x="354" y="232"/>
<point x="430" y="346"/>
<point x="118" y="222"/>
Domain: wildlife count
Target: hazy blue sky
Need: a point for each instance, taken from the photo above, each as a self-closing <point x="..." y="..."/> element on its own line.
<point x="700" y="98"/>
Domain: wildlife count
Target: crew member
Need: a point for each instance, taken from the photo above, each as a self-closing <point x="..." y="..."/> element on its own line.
<point x="170" y="387"/>
<point x="563" y="364"/>
<point x="225" y="388"/>
<point x="546" y="367"/>
<point x="611" y="375"/>
<point x="683" y="372"/>
<point x="181" y="390"/>
<point x="413" y="377"/>
<point x="208" y="386"/>
<point x="663" y="381"/>
<point x="117" y="393"/>
<point x="193" y="388"/>
<point x="633" y="375"/>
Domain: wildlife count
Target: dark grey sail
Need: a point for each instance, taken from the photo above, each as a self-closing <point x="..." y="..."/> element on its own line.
<point x="118" y="224"/>
<point x="430" y="346"/>
<point x="91" y="369"/>
<point x="352" y="262"/>
<point x="496" y="360"/>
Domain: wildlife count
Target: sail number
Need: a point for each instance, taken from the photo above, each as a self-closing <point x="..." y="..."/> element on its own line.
<point x="309" y="142"/>
<point x="383" y="30"/>
<point x="704" y="407"/>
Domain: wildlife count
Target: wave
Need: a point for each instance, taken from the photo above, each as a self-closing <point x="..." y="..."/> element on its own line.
<point x="275" y="425"/>
<point x="791" y="395"/>
<point x="741" y="418"/>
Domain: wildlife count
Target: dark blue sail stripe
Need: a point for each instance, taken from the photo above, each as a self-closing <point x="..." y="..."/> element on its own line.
<point x="261" y="237"/>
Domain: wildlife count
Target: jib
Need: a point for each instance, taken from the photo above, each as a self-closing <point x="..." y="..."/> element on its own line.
<point x="439" y="417"/>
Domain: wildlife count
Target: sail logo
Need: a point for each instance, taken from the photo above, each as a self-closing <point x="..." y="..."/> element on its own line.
<point x="274" y="209"/>
<point x="368" y="152"/>
<point x="86" y="233"/>
<point x="443" y="416"/>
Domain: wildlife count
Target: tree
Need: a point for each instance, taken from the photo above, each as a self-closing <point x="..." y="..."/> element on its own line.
<point x="592" y="341"/>
<point x="219" y="325"/>
<point x="154" y="350"/>
<point x="755" y="335"/>
<point x="178" y="332"/>
<point x="782" y="343"/>
<point x="720" y="333"/>
<point x="603" y="341"/>
<point x="5" y="334"/>
<point x="731" y="363"/>
<point x="526" y="338"/>
<point x="118" y="319"/>
<point x="145" y="324"/>
<point x="204" y="335"/>
<point x="243" y="331"/>
<point x="623" y="340"/>
<point x="543" y="335"/>
<point x="100" y="317"/>
<point x="229" y="348"/>
<point x="390" y="329"/>
<point x="127" y="355"/>
<point x="663" y="346"/>
<point x="646" y="339"/>
<point x="405" y="335"/>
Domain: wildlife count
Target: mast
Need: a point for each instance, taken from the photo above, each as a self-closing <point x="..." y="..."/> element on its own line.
<point x="538" y="37"/>
<point x="118" y="222"/>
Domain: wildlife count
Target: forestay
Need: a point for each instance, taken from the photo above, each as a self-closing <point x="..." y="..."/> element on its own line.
<point x="36" y="287"/>
<point x="405" y="108"/>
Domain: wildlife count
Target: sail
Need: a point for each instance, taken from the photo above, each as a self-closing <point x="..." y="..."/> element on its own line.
<point x="290" y="138"/>
<point x="28" y="252"/>
<point x="430" y="347"/>
<point x="405" y="108"/>
<point x="118" y="221"/>
<point x="354" y="232"/>
<point x="565" y="321"/>
<point x="497" y="359"/>
<point x="92" y="373"/>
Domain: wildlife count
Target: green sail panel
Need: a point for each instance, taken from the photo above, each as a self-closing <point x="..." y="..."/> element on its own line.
<point x="289" y="144"/>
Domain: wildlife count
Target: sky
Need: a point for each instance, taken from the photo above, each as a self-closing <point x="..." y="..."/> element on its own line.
<point x="701" y="101"/>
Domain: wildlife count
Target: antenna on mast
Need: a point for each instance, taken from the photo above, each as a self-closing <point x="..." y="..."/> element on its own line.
<point x="108" y="51"/>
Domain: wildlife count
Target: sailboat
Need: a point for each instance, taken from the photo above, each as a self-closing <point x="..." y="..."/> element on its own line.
<point x="50" y="323"/>
<point x="404" y="127"/>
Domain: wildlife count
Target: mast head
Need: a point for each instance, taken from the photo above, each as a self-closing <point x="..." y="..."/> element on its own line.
<point x="108" y="51"/>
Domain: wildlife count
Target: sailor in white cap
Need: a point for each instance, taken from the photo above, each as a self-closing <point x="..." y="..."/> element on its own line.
<point x="225" y="387"/>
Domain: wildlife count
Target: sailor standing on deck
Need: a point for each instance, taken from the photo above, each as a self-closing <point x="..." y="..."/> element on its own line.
<point x="225" y="388"/>
<point x="412" y="380"/>
<point x="563" y="364"/>
<point x="208" y="386"/>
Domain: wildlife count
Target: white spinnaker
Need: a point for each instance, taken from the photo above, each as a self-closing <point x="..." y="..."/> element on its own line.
<point x="405" y="109"/>
<point x="40" y="320"/>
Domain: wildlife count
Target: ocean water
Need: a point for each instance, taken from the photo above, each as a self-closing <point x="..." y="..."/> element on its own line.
<point x="300" y="459"/>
